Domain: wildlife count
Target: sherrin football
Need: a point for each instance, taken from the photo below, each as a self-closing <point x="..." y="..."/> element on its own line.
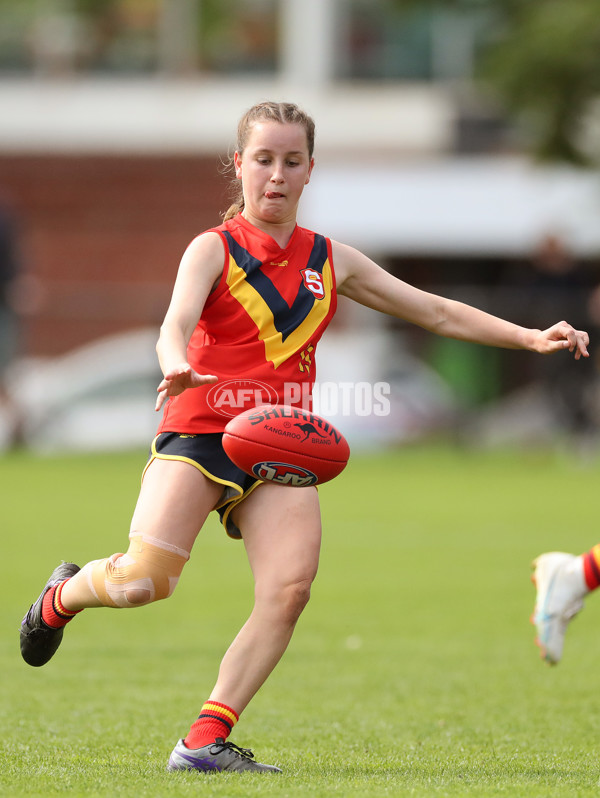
<point x="286" y="445"/>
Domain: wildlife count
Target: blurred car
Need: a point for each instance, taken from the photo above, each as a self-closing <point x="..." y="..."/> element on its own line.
<point x="98" y="397"/>
<point x="101" y="396"/>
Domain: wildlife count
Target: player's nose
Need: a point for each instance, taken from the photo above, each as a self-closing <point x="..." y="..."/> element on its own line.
<point x="277" y="173"/>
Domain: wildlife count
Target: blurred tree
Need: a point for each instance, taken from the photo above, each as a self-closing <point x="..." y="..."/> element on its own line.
<point x="544" y="59"/>
<point x="547" y="64"/>
<point x="93" y="7"/>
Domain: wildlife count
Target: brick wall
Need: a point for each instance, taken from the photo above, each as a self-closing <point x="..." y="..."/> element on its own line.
<point x="102" y="238"/>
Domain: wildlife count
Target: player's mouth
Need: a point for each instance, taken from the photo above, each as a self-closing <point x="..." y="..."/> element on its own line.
<point x="274" y="195"/>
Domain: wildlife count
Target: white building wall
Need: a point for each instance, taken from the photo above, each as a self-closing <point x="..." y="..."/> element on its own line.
<point x="201" y="115"/>
<point x="386" y="178"/>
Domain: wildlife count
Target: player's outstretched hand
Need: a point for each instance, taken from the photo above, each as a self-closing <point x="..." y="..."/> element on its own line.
<point x="178" y="380"/>
<point x="563" y="336"/>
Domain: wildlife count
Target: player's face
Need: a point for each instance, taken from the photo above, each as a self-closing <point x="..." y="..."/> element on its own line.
<point x="274" y="168"/>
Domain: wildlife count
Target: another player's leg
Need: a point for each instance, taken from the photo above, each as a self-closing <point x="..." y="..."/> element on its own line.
<point x="562" y="581"/>
<point x="174" y="501"/>
<point x="281" y="529"/>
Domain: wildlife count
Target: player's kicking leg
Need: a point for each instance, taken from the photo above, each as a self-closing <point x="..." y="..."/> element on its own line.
<point x="174" y="501"/>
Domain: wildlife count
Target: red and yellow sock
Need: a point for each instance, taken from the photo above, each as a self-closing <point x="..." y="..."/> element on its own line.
<point x="53" y="612"/>
<point x="591" y="567"/>
<point x="215" y="720"/>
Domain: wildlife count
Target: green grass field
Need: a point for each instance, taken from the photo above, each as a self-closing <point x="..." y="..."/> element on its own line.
<point x="412" y="671"/>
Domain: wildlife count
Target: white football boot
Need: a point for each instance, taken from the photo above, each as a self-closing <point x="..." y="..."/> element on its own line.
<point x="216" y="756"/>
<point x="560" y="585"/>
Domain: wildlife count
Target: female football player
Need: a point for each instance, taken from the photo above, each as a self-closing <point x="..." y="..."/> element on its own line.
<point x="251" y="300"/>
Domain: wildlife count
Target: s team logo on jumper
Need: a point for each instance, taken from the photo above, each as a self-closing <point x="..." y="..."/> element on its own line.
<point x="232" y="397"/>
<point x="313" y="280"/>
<point x="284" y="474"/>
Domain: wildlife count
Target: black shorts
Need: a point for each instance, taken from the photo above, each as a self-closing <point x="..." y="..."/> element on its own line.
<point x="205" y="452"/>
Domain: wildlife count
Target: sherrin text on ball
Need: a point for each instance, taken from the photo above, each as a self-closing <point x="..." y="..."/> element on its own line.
<point x="286" y="445"/>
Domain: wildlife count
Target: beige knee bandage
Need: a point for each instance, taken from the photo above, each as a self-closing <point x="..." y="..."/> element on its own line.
<point x="149" y="571"/>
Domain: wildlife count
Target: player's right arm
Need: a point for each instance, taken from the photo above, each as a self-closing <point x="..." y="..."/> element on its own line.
<point x="199" y="271"/>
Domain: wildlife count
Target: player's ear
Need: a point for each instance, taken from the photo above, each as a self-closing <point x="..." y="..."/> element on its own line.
<point x="310" y="168"/>
<point x="237" y="162"/>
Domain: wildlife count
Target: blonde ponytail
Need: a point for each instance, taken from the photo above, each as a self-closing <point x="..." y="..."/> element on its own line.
<point x="234" y="209"/>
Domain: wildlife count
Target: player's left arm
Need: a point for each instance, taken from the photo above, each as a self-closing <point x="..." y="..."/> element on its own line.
<point x="361" y="279"/>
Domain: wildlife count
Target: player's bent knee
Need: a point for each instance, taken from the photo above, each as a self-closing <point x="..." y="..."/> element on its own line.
<point x="289" y="601"/>
<point x="298" y="598"/>
<point x="294" y="601"/>
<point x="148" y="572"/>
